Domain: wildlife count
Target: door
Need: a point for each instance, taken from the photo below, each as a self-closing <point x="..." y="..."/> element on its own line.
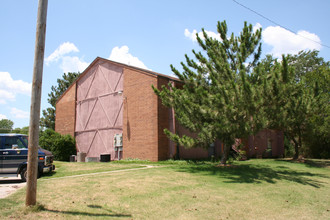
<point x="13" y="153"/>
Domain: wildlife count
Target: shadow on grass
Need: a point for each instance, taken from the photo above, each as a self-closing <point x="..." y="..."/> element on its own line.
<point x="50" y="174"/>
<point x="310" y="163"/>
<point x="247" y="173"/>
<point x="79" y="213"/>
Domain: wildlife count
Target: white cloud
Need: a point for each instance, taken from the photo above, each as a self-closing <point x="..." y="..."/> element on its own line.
<point x="68" y="63"/>
<point x="256" y="27"/>
<point x="122" y="55"/>
<point x="17" y="113"/>
<point x="284" y="42"/>
<point x="73" y="64"/>
<point x="7" y="82"/>
<point x="192" y="35"/>
<point x="6" y="96"/>
<point x="2" y="117"/>
<point x="62" y="50"/>
<point x="10" y="87"/>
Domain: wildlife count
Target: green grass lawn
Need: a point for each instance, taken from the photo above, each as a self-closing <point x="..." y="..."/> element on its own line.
<point x="254" y="189"/>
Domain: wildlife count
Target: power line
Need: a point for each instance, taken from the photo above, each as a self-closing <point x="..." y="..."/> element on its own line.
<point x="240" y="4"/>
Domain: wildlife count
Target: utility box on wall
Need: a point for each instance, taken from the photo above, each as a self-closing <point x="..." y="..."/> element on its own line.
<point x="118" y="144"/>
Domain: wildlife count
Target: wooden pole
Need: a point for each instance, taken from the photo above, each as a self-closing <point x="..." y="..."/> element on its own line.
<point x="32" y="168"/>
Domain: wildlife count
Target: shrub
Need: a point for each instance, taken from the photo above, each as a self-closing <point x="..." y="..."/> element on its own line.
<point x="62" y="146"/>
<point x="241" y="155"/>
<point x="288" y="148"/>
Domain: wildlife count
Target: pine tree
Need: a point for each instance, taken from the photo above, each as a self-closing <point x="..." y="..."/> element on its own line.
<point x="218" y="100"/>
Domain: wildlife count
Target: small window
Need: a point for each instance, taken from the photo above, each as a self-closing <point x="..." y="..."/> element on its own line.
<point x="269" y="143"/>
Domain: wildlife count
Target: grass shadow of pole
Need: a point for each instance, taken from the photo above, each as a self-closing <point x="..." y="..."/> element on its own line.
<point x="109" y="214"/>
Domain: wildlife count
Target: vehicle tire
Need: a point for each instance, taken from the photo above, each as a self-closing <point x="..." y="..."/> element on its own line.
<point x="24" y="174"/>
<point x="39" y="174"/>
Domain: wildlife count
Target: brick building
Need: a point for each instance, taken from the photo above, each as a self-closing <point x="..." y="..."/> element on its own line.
<point x="112" y="98"/>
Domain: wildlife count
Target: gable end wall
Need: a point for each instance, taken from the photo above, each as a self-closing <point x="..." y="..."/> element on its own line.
<point x="66" y="112"/>
<point x="140" y="124"/>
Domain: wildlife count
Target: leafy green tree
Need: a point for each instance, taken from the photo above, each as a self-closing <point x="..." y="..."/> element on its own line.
<point x="24" y="130"/>
<point x="298" y="108"/>
<point x="62" y="146"/>
<point x="312" y="74"/>
<point x="16" y="131"/>
<point x="294" y="101"/>
<point x="6" y="125"/>
<point x="48" y="118"/>
<point x="305" y="63"/>
<point x="219" y="99"/>
<point x="317" y="137"/>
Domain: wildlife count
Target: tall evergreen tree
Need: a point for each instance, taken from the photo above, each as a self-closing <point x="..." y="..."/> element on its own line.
<point x="219" y="99"/>
<point x="298" y="108"/>
<point x="48" y="118"/>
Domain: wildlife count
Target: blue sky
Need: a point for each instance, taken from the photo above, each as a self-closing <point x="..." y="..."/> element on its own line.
<point x="145" y="33"/>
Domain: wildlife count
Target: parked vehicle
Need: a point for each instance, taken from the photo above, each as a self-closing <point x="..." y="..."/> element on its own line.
<point x="14" y="153"/>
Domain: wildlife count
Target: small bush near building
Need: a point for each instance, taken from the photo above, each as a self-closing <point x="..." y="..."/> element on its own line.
<point x="288" y="148"/>
<point x="62" y="146"/>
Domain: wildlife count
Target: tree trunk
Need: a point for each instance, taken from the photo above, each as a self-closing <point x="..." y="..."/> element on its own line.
<point x="296" y="149"/>
<point x="225" y="154"/>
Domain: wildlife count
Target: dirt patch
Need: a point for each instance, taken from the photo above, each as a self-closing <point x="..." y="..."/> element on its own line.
<point x="9" y="186"/>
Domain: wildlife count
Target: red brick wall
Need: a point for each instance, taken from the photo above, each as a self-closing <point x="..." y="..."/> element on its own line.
<point x="191" y="153"/>
<point x="66" y="112"/>
<point x="257" y="145"/>
<point x="163" y="122"/>
<point x="140" y="128"/>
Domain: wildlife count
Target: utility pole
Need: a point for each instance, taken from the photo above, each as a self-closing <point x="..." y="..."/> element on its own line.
<point x="32" y="168"/>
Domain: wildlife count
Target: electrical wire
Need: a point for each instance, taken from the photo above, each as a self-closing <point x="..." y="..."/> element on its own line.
<point x="264" y="17"/>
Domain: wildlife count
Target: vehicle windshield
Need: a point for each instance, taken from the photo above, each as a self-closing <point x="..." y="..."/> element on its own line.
<point x="15" y="142"/>
<point x="25" y="140"/>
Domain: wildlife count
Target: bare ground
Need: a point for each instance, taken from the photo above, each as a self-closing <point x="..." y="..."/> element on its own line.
<point x="9" y="185"/>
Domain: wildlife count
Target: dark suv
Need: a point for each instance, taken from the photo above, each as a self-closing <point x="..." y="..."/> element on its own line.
<point x="14" y="153"/>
